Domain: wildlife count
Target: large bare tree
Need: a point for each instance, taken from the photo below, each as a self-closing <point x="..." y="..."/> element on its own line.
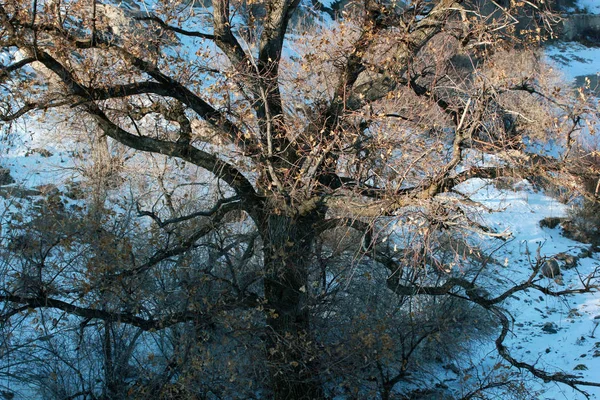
<point x="314" y="132"/>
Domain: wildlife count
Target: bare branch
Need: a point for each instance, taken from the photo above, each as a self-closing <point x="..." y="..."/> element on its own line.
<point x="207" y="213"/>
<point x="166" y="85"/>
<point x="114" y="316"/>
<point x="32" y="106"/>
<point x="175" y="29"/>
<point x="184" y="151"/>
<point x="560" y="377"/>
<point x="4" y="70"/>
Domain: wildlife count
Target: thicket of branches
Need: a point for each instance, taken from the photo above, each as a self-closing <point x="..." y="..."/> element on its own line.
<point x="269" y="198"/>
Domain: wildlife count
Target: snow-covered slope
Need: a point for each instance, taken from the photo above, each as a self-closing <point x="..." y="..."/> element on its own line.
<point x="590" y="6"/>
<point x="557" y="334"/>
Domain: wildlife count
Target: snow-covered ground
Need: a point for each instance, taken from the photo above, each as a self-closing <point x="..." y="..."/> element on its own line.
<point x="590" y="6"/>
<point x="557" y="334"/>
<point x="574" y="59"/>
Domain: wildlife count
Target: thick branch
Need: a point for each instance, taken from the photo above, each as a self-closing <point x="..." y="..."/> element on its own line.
<point x="166" y="85"/>
<point x="224" y="37"/>
<point x="131" y="89"/>
<point x="175" y="29"/>
<point x="205" y="213"/>
<point x="218" y="212"/>
<point x="24" y="110"/>
<point x="92" y="313"/>
<point x="568" y="380"/>
<point x="4" y="70"/>
<point x="184" y="151"/>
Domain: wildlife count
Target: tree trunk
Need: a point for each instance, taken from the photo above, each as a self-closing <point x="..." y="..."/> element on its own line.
<point x="287" y="250"/>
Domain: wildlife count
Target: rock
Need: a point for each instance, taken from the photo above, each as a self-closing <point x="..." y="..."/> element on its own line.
<point x="550" y="328"/>
<point x="569" y="261"/>
<point x="574" y="231"/>
<point x="551" y="222"/>
<point x="5" y="177"/>
<point x="13" y="191"/>
<point x="550" y="268"/>
<point x="42" y="152"/>
<point x="585" y="253"/>
<point x="453" y="368"/>
<point x="559" y="280"/>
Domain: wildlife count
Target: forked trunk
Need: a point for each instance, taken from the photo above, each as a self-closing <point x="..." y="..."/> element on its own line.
<point x="287" y="251"/>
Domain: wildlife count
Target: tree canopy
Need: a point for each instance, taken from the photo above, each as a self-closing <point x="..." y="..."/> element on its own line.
<point x="288" y="180"/>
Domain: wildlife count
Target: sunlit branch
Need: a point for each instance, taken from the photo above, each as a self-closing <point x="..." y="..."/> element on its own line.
<point x="165" y="85"/>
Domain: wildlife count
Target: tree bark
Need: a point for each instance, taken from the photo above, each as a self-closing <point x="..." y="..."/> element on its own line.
<point x="288" y="244"/>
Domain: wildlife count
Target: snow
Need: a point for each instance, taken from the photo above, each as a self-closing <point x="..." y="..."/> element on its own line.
<point x="574" y="59"/>
<point x="576" y="345"/>
<point x="36" y="158"/>
<point x="589" y="6"/>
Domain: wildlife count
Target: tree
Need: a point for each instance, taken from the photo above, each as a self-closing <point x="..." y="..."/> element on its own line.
<point x="329" y="150"/>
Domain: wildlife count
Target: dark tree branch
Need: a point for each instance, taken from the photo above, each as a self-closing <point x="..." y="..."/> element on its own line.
<point x="279" y="13"/>
<point x="150" y="324"/>
<point x="113" y="316"/>
<point x="224" y="37"/>
<point x="185" y="151"/>
<point x="31" y="107"/>
<point x="175" y="29"/>
<point x="474" y="294"/>
<point x="318" y="6"/>
<point x="166" y="85"/>
<point x="218" y="212"/>
<point x="560" y="377"/>
<point x="4" y="70"/>
<point x="204" y="213"/>
<point x="131" y="89"/>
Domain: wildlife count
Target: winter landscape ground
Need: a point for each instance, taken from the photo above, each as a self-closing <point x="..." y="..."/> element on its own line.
<point x="558" y="334"/>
